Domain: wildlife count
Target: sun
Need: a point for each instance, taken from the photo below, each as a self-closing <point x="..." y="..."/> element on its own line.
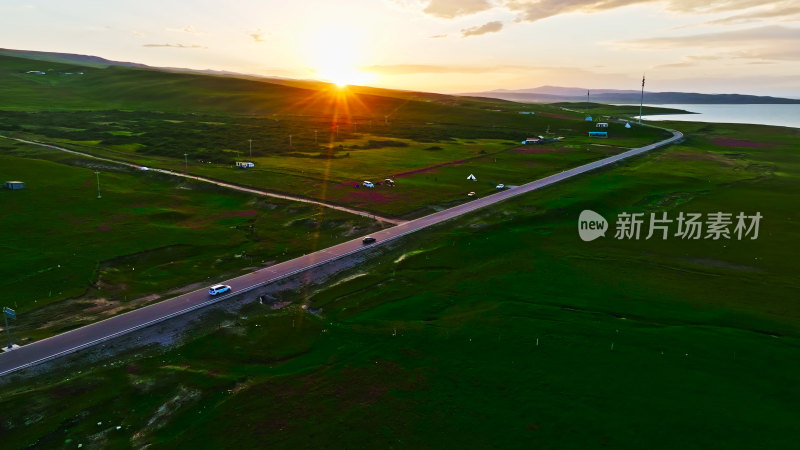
<point x="335" y="51"/>
<point x="343" y="76"/>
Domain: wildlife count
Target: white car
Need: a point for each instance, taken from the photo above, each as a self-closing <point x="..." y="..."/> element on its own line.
<point x="368" y="184"/>
<point x="501" y="186"/>
<point x="471" y="194"/>
<point x="219" y="289"/>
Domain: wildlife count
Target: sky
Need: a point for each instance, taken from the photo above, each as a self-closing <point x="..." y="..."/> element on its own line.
<point x="450" y="46"/>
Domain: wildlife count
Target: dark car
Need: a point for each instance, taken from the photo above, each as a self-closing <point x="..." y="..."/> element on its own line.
<point x="369" y="240"/>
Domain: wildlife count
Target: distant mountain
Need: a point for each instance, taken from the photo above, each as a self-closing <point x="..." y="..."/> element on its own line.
<point x="71" y="61"/>
<point x="68" y="58"/>
<point x="563" y="91"/>
<point x="102" y="63"/>
<point x="548" y="94"/>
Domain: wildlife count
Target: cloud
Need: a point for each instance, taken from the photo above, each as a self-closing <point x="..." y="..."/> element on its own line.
<point x="407" y="5"/>
<point x="415" y="69"/>
<point x="449" y="9"/>
<point x="257" y="35"/>
<point x="766" y="34"/>
<point x="553" y="73"/>
<point x="774" y="53"/>
<point x="787" y="11"/>
<point x="491" y="27"/>
<point x="438" y="36"/>
<point x="533" y="10"/>
<point x="187" y="29"/>
<point x="174" y="46"/>
<point x="689" y="61"/>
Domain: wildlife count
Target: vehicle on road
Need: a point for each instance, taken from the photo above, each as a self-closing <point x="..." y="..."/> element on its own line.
<point x="501" y="186"/>
<point x="368" y="184"/>
<point x="471" y="194"/>
<point x="219" y="289"/>
<point x="369" y="240"/>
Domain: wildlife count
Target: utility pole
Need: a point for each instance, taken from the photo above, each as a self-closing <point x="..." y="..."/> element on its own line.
<point x="251" y="147"/>
<point x="186" y="162"/>
<point x="641" y="102"/>
<point x="587" y="104"/>
<point x="315" y="137"/>
<point x="290" y="140"/>
<point x="98" y="184"/>
<point x="8" y="312"/>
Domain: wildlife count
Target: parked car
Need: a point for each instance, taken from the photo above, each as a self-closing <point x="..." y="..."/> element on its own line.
<point x="369" y="240"/>
<point x="219" y="289"/>
<point x="501" y="186"/>
<point x="471" y="194"/>
<point x="368" y="184"/>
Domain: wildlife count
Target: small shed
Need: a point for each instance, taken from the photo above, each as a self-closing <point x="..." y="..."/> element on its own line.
<point x="601" y="125"/>
<point x="14" y="185"/>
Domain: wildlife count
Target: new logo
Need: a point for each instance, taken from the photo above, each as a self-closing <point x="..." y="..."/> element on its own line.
<point x="591" y="225"/>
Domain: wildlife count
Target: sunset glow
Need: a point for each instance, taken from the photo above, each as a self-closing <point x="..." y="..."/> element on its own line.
<point x="443" y="46"/>
<point x="335" y="51"/>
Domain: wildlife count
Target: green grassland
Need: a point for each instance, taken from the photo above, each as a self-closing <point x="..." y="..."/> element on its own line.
<point x="149" y="233"/>
<point x="163" y="119"/>
<point x="433" y="171"/>
<point x="603" y="110"/>
<point x="499" y="329"/>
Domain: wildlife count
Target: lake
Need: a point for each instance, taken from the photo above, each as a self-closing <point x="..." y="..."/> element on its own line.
<point x="781" y="115"/>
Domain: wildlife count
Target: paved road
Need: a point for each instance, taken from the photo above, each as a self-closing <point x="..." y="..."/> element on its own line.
<point x="95" y="333"/>
<point x="215" y="182"/>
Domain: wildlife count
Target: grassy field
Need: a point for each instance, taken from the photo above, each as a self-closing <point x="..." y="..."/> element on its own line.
<point x="308" y="138"/>
<point x="500" y="329"/>
<point x="148" y="233"/>
<point x="601" y="110"/>
<point x="431" y="172"/>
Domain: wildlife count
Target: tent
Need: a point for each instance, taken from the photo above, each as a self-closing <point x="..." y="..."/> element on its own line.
<point x="627" y="124"/>
<point x="472" y="177"/>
